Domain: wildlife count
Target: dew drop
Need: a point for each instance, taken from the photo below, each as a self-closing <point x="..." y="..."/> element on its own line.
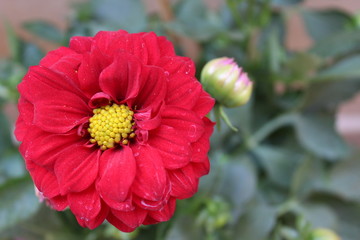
<point x="192" y="131"/>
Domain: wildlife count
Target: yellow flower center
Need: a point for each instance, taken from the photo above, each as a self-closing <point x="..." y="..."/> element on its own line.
<point x="111" y="125"/>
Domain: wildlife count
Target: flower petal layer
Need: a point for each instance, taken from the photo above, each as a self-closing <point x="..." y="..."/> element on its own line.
<point x="117" y="173"/>
<point x="76" y="168"/>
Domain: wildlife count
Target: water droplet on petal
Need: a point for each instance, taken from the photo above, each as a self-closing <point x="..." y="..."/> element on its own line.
<point x="192" y="131"/>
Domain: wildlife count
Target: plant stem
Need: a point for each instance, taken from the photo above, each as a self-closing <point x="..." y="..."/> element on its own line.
<point x="225" y="117"/>
<point x="259" y="136"/>
<point x="269" y="127"/>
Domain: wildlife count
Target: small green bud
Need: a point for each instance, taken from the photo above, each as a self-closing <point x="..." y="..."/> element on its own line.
<point x="324" y="234"/>
<point x="224" y="80"/>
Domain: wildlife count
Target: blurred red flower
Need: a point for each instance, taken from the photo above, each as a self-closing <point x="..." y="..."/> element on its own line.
<point x="114" y="128"/>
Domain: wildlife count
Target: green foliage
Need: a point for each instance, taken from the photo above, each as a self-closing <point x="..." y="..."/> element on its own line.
<point x="18" y="202"/>
<point x="284" y="173"/>
<point x="45" y="30"/>
<point x="321" y="25"/>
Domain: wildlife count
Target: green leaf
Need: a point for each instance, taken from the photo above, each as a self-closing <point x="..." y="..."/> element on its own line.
<point x="319" y="215"/>
<point x="346" y="68"/>
<point x="339" y="44"/>
<point x="321" y="25"/>
<point x="256" y="223"/>
<point x="317" y="97"/>
<point x="301" y="66"/>
<point x="195" y="20"/>
<point x="126" y="14"/>
<point x="285" y="2"/>
<point x="280" y="164"/>
<point x="344" y="180"/>
<point x="184" y="228"/>
<point x="18" y="202"/>
<point x="308" y="177"/>
<point x="317" y="134"/>
<point x="45" y="30"/>
<point x="349" y="216"/>
<point x="32" y="55"/>
<point x="5" y="137"/>
<point x="238" y="184"/>
<point x="11" y="166"/>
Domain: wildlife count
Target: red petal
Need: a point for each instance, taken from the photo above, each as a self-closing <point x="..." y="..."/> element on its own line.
<point x="54" y="56"/>
<point x="40" y="81"/>
<point x="153" y="87"/>
<point x="185" y="122"/>
<point x="134" y="44"/>
<point x="176" y="64"/>
<point x="43" y="147"/>
<point x="126" y="205"/>
<point x="25" y="119"/>
<point x="44" y="180"/>
<point x="149" y="220"/>
<point x="76" y="168"/>
<point x="112" y="42"/>
<point x="133" y="219"/>
<point x="172" y="146"/>
<point x="166" y="47"/>
<point x="108" y="41"/>
<point x="59" y="203"/>
<point x="117" y="173"/>
<point x="95" y="222"/>
<point x="20" y="129"/>
<point x="90" y="69"/>
<point x="68" y="67"/>
<point x="86" y="205"/>
<point x="166" y="212"/>
<point x="61" y="113"/>
<point x="153" y="205"/>
<point x="26" y="110"/>
<point x="184" y="182"/>
<point x="201" y="169"/>
<point x="121" y="78"/>
<point x="99" y="99"/>
<point x="149" y="118"/>
<point x="204" y="104"/>
<point x="151" y="181"/>
<point x="58" y="103"/>
<point x="152" y="46"/>
<point x="118" y="223"/>
<point x="81" y="44"/>
<point x="201" y="147"/>
<point x="183" y="91"/>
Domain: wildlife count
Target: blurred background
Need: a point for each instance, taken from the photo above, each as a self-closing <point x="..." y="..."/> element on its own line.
<point x="287" y="172"/>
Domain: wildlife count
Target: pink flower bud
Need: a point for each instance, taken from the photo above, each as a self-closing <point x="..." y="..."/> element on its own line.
<point x="226" y="82"/>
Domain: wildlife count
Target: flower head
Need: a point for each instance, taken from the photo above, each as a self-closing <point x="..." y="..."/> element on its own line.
<point x="114" y="128"/>
<point x="226" y="82"/>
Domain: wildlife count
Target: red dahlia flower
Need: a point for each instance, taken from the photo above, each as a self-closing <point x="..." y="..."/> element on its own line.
<point x="114" y="128"/>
